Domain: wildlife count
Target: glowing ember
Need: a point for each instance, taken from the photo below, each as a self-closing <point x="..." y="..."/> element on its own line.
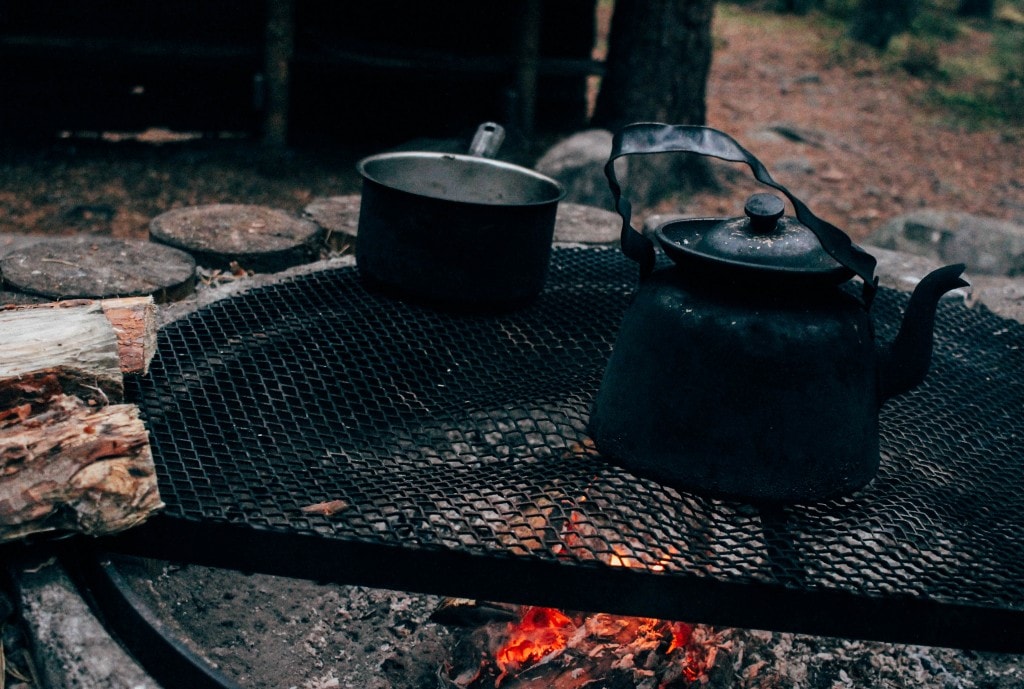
<point x="545" y="648"/>
<point x="681" y="634"/>
<point x="539" y="632"/>
<point x="549" y="648"/>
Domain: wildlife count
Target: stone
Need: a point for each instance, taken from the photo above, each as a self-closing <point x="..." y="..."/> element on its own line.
<point x="902" y="271"/>
<point x="578" y="163"/>
<point x="1001" y="295"/>
<point x="987" y="245"/>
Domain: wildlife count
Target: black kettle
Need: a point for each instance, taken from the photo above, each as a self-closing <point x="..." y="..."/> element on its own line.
<point x="747" y="368"/>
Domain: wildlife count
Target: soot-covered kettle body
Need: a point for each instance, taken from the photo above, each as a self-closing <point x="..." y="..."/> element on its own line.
<point x="748" y="367"/>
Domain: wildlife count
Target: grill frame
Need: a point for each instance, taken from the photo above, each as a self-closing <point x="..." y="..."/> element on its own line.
<point x="922" y="555"/>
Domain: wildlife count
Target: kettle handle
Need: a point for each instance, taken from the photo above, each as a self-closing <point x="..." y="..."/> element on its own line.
<point x="655" y="137"/>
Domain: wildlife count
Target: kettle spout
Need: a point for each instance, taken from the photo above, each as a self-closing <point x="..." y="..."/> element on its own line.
<point x="905" y="362"/>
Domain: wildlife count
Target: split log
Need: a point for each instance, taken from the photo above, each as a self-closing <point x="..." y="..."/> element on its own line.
<point x="69" y="466"/>
<point x="134" y="323"/>
<point x="71" y="459"/>
<point x="86" y="345"/>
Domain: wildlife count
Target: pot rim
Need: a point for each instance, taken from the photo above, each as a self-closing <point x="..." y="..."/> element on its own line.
<point x="398" y="157"/>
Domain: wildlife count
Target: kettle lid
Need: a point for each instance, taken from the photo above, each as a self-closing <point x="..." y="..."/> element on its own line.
<point x="764" y="243"/>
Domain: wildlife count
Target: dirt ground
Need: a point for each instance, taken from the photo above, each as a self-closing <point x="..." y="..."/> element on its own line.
<point x="852" y="136"/>
<point x="848" y="135"/>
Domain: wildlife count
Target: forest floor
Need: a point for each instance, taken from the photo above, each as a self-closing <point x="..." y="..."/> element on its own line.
<point x="853" y="134"/>
<point x="849" y="131"/>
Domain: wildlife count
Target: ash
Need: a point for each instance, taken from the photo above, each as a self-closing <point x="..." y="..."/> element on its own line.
<point x="268" y="632"/>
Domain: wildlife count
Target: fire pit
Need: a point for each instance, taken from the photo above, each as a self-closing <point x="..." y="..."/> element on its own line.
<point x="312" y="429"/>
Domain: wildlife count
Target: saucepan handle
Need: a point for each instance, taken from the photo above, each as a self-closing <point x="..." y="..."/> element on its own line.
<point x="487" y="140"/>
<point x="655" y="137"/>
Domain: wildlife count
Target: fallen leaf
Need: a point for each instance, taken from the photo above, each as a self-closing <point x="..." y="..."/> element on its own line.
<point x="326" y="509"/>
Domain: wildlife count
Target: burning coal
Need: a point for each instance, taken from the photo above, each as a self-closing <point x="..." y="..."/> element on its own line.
<point x="545" y="647"/>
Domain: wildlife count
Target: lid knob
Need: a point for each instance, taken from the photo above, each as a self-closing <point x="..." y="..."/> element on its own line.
<point x="764" y="211"/>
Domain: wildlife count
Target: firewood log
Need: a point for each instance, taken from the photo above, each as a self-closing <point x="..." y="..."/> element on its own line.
<point x="71" y="457"/>
<point x="70" y="466"/>
<point x="133" y="320"/>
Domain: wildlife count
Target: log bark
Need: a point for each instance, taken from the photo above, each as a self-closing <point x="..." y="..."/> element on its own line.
<point x="35" y="336"/>
<point x="71" y="458"/>
<point x="70" y="466"/>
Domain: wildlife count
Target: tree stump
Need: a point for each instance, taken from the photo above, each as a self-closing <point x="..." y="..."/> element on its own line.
<point x="575" y="222"/>
<point x="100" y="268"/>
<point x="16" y="298"/>
<point x="339" y="217"/>
<point x="252" y="237"/>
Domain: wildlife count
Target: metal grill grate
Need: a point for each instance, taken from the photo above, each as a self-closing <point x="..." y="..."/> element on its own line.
<point x="458" y="444"/>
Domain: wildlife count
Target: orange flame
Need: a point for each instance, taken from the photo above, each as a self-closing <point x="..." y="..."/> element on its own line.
<point x="681" y="633"/>
<point x="540" y="631"/>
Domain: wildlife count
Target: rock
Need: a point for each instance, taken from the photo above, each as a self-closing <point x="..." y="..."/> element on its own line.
<point x="578" y="163"/>
<point x="988" y="246"/>
<point x="902" y="271"/>
<point x="586" y="224"/>
<point x="1002" y="295"/>
<point x="99" y="268"/>
<point x="798" y="134"/>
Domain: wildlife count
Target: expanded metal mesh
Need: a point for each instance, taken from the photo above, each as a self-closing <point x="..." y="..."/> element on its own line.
<point x="467" y="433"/>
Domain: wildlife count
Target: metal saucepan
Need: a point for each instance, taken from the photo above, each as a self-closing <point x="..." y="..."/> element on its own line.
<point x="462" y="231"/>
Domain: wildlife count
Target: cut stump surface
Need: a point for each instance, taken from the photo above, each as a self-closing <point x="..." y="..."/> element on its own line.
<point x="89" y="267"/>
<point x="338" y="216"/>
<point x="586" y="224"/>
<point x="253" y="237"/>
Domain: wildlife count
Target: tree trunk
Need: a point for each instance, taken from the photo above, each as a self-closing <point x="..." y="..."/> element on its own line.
<point x="877" y="21"/>
<point x="659" y="56"/>
<point x="975" y="8"/>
